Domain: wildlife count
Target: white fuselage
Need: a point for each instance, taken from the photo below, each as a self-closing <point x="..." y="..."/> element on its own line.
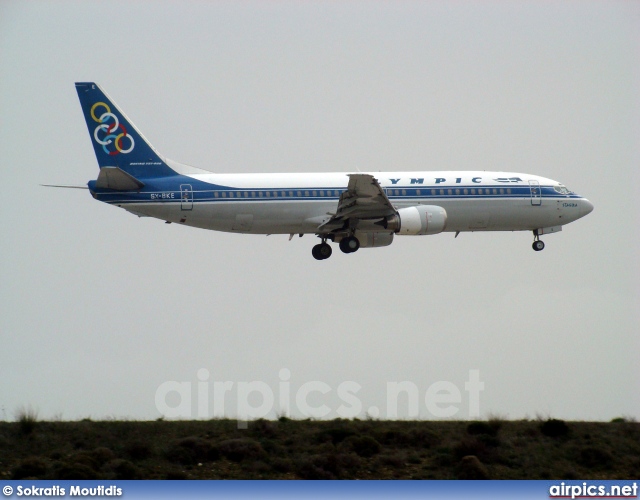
<point x="299" y="203"/>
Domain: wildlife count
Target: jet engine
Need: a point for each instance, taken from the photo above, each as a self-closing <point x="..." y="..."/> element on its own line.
<point x="421" y="219"/>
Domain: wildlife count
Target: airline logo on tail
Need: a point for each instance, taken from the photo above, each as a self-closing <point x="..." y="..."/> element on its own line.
<point x="108" y="128"/>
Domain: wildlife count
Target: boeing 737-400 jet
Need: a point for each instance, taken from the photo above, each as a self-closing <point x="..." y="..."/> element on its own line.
<point x="355" y="210"/>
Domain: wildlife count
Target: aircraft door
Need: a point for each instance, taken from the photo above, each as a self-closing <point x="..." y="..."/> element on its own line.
<point x="186" y="197"/>
<point x="536" y="193"/>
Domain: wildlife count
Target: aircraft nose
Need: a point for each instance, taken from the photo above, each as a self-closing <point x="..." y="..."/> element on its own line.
<point x="586" y="207"/>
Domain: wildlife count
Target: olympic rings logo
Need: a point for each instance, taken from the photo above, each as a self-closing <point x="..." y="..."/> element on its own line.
<point x="110" y="124"/>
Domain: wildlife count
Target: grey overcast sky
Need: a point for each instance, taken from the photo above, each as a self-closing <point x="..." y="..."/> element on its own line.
<point x="100" y="308"/>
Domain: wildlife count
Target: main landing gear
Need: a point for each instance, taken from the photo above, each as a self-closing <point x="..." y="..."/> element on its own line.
<point x="348" y="244"/>
<point x="537" y="244"/>
<point x="321" y="251"/>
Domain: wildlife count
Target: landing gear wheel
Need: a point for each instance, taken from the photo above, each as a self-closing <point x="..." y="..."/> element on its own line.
<point x="538" y="245"/>
<point x="321" y="251"/>
<point x="349" y="244"/>
<point x="315" y="251"/>
<point x="325" y="250"/>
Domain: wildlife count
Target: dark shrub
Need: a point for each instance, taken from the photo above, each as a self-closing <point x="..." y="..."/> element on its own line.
<point x="595" y="458"/>
<point x="139" y="450"/>
<point x="570" y="474"/>
<point x="122" y="469"/>
<point x="423" y="438"/>
<point x="489" y="441"/>
<point x="307" y="469"/>
<point x="272" y="447"/>
<point x="27" y="418"/>
<point x="176" y="475"/>
<point x="336" y="435"/>
<point x="30" y="467"/>
<point x="471" y="468"/>
<point x="488" y="428"/>
<point x="328" y="466"/>
<point x="396" y="460"/>
<point x="102" y="455"/>
<point x="189" y="451"/>
<point x="469" y="446"/>
<point x="84" y="458"/>
<point x="349" y="462"/>
<point x="264" y="428"/>
<point x="554" y="428"/>
<point x="214" y="454"/>
<point x="76" y="471"/>
<point x="280" y="464"/>
<point x="364" y="446"/>
<point x="484" y="447"/>
<point x="393" y="437"/>
<point x="444" y="457"/>
<point x="237" y="450"/>
<point x="256" y="467"/>
<point x="413" y="458"/>
<point x="179" y="455"/>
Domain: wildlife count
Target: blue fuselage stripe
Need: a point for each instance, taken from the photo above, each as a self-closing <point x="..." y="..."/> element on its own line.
<point x="399" y="194"/>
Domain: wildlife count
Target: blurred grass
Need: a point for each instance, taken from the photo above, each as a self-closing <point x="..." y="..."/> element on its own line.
<point x="307" y="449"/>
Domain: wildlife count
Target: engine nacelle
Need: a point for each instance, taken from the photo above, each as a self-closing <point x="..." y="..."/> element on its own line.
<point x="421" y="219"/>
<point x="371" y="240"/>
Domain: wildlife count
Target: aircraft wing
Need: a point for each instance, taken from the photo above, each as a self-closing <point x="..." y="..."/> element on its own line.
<point x="363" y="199"/>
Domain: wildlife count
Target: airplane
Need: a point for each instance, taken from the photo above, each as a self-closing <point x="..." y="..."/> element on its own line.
<point x="355" y="210"/>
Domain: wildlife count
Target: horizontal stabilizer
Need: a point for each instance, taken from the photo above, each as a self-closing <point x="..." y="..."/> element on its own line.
<point x="118" y="179"/>
<point x="63" y="186"/>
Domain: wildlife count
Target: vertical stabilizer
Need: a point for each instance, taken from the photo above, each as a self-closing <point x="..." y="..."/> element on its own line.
<point x="116" y="141"/>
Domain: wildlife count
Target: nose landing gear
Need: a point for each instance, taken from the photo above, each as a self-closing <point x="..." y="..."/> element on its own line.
<point x="537" y="243"/>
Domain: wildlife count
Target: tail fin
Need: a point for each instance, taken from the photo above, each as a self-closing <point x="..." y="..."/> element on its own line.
<point x="116" y="141"/>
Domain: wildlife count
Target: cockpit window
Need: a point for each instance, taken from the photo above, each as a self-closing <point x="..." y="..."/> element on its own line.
<point x="562" y="189"/>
